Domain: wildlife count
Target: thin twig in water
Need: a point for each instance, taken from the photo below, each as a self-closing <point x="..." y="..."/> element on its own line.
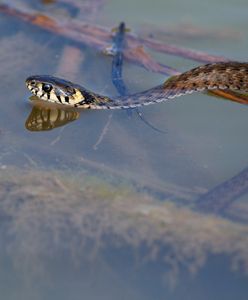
<point x="103" y="133"/>
<point x="58" y="138"/>
<point x="139" y="113"/>
<point x="30" y="160"/>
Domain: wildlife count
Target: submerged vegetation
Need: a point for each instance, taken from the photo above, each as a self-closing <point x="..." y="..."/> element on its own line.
<point x="84" y="215"/>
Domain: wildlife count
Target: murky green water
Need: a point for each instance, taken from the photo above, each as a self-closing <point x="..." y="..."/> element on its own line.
<point x="104" y="207"/>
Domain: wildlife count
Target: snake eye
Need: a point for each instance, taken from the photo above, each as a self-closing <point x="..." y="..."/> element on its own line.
<point x="47" y="87"/>
<point x="33" y="82"/>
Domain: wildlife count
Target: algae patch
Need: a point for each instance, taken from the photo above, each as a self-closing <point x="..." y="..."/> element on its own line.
<point x="43" y="212"/>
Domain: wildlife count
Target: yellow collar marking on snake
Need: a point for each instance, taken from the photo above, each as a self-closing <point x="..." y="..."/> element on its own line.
<point x="231" y="76"/>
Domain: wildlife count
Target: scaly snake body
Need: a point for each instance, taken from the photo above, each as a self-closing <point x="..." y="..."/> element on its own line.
<point x="231" y="76"/>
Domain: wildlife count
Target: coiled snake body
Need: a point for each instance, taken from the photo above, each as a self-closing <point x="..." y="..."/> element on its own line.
<point x="231" y="76"/>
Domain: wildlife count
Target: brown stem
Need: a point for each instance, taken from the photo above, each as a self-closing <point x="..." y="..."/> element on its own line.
<point x="179" y="51"/>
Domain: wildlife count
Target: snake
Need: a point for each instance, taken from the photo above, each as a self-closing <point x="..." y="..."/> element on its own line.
<point x="231" y="76"/>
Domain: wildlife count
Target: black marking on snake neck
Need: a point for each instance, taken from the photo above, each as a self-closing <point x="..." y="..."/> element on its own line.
<point x="88" y="98"/>
<point x="59" y="98"/>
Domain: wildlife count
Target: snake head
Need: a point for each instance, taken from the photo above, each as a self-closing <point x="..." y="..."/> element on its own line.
<point x="53" y="89"/>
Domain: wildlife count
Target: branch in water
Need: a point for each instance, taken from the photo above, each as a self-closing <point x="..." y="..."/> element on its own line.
<point x="180" y="51"/>
<point x="99" y="38"/>
<point x="183" y="31"/>
<point x="147" y="61"/>
<point x="218" y="199"/>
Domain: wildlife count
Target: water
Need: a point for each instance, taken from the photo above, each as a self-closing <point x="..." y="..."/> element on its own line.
<point x="88" y="212"/>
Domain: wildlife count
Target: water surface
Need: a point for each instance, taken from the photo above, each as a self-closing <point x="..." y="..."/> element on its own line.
<point x="85" y="217"/>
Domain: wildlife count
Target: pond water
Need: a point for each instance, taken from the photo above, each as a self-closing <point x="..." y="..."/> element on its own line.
<point x="106" y="206"/>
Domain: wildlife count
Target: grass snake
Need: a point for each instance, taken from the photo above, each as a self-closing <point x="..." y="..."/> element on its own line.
<point x="230" y="76"/>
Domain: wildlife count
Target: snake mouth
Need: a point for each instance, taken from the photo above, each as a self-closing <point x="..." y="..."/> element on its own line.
<point x="32" y="85"/>
<point x="33" y="90"/>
